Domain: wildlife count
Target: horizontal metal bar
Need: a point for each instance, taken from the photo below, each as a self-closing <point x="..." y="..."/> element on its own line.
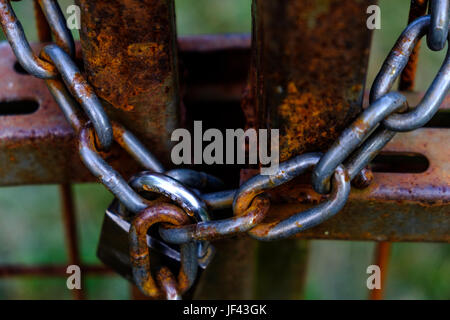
<point x="38" y="148"/>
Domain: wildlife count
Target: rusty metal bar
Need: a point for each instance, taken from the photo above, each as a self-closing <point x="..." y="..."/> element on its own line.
<point x="311" y="60"/>
<point x="38" y="148"/>
<point x="37" y="145"/>
<point x="36" y="141"/>
<point x="308" y="71"/>
<point x="136" y="42"/>
<point x="382" y="256"/>
<point x="70" y="228"/>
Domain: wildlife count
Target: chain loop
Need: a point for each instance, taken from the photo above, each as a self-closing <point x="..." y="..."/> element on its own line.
<point x="219" y="200"/>
<point x="57" y="22"/>
<point x="368" y="151"/>
<point x="352" y="138"/>
<point x="195" y="179"/>
<point x="16" y="37"/>
<point x="130" y="143"/>
<point x="83" y="93"/>
<point x="287" y="171"/>
<point x="168" y="284"/>
<point x="213" y="230"/>
<point x="67" y="104"/>
<point x="312" y="217"/>
<point x="174" y="190"/>
<point x="106" y="174"/>
<point x="438" y="32"/>
<point x="393" y="67"/>
<point x="139" y="252"/>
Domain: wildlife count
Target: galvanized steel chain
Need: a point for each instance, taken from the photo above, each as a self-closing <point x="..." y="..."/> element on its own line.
<point x="190" y="227"/>
<point x="348" y="156"/>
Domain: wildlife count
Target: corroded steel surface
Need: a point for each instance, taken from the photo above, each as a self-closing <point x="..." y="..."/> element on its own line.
<point x="130" y="56"/>
<point x="403" y="203"/>
<point x="38" y="148"/>
<point x="382" y="256"/>
<point x="310" y="81"/>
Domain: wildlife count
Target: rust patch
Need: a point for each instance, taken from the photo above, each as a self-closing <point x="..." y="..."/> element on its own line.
<point x="311" y="58"/>
<point x="130" y="56"/>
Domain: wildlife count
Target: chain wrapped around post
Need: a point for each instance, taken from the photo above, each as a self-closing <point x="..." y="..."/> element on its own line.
<point x="187" y="221"/>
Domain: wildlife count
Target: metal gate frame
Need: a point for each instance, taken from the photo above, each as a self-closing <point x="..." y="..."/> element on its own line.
<point x="53" y="140"/>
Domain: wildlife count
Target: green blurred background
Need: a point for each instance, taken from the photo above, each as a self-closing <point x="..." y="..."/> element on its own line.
<point x="31" y="230"/>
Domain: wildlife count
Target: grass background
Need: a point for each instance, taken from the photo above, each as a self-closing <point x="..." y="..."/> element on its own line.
<point x="31" y="226"/>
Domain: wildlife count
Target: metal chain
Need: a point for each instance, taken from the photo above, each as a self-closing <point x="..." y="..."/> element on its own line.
<point x="332" y="172"/>
<point x="352" y="152"/>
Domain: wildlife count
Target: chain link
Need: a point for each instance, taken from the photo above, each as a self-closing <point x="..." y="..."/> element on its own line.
<point x="352" y="152"/>
<point x="438" y="31"/>
<point x="139" y="252"/>
<point x="16" y="36"/>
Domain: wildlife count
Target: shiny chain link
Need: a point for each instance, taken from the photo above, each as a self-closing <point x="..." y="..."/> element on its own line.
<point x="332" y="172"/>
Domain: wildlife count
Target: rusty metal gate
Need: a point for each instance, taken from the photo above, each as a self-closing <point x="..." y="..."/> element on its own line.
<point x="280" y="77"/>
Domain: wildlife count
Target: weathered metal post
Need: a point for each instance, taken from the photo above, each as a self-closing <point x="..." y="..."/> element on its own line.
<point x="306" y="79"/>
<point x="310" y="59"/>
<point x="130" y="55"/>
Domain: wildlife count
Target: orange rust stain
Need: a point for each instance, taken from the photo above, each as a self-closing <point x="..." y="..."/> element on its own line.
<point x="116" y="67"/>
<point x="360" y="125"/>
<point x="310" y="81"/>
<point x="130" y="57"/>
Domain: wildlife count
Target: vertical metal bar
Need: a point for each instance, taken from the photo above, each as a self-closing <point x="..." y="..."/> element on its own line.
<point x="231" y="274"/>
<point x="287" y="282"/>
<point x="70" y="227"/>
<point x="130" y="55"/>
<point x="310" y="59"/>
<point x="382" y="255"/>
